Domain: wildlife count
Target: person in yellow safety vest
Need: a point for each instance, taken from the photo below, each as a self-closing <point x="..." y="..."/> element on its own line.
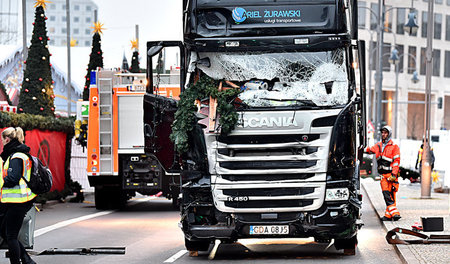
<point x="16" y="198"/>
<point x="419" y="158"/>
<point x="388" y="160"/>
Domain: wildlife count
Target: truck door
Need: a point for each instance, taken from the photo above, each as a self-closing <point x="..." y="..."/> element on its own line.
<point x="165" y="75"/>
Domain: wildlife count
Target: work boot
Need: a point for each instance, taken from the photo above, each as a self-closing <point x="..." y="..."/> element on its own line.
<point x="384" y="218"/>
<point x="396" y="217"/>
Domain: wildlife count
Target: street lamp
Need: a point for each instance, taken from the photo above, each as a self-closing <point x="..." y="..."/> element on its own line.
<point x="395" y="59"/>
<point x="411" y="25"/>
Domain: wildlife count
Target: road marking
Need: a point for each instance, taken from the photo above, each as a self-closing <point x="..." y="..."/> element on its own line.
<point x="47" y="229"/>
<point x="178" y="255"/>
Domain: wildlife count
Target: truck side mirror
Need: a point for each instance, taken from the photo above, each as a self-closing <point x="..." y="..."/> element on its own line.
<point x="147" y="130"/>
<point x="154" y="50"/>
<point x="203" y="62"/>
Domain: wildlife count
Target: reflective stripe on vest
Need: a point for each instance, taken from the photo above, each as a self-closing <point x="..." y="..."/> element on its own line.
<point x="19" y="193"/>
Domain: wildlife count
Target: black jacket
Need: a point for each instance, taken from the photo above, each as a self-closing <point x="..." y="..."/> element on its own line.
<point x="15" y="168"/>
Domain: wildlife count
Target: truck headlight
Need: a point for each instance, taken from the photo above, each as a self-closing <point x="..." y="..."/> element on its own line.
<point x="337" y="194"/>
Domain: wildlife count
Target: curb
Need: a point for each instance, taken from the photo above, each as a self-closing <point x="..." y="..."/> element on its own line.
<point x="405" y="254"/>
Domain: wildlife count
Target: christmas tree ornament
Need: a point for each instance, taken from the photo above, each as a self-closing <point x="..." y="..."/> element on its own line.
<point x="40" y="79"/>
<point x="46" y="46"/>
<point x="43" y="58"/>
<point x="26" y="90"/>
<point x="50" y="64"/>
<point x="52" y="96"/>
<point x="51" y="86"/>
<point x="40" y="38"/>
<point x="26" y="79"/>
<point x="25" y="62"/>
<point x="42" y="108"/>
<point x="42" y="15"/>
<point x="34" y="98"/>
<point x="98" y="28"/>
<point x="53" y="109"/>
<point x="53" y="82"/>
<point x="43" y="90"/>
<point x="20" y="109"/>
<point x="41" y="3"/>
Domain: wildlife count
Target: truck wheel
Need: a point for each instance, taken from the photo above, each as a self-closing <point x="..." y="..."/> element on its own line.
<point x="101" y="199"/>
<point x="348" y="245"/>
<point x="200" y="245"/>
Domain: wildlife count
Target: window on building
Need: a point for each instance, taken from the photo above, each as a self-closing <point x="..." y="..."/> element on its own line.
<point x="416" y="14"/>
<point x="87" y="43"/>
<point x="438" y="2"/>
<point x="423" y="61"/>
<point x="51" y="30"/>
<point x="88" y="8"/>
<point x="362" y="14"/>
<point x="52" y="42"/>
<point x="401" y="51"/>
<point x="52" y="18"/>
<point x="76" y="19"/>
<point x="64" y="6"/>
<point x="447" y="27"/>
<point x="401" y="19"/>
<point x="88" y="20"/>
<point x="437" y="26"/>
<point x="52" y="6"/>
<point x="388" y="19"/>
<point x="436" y="62"/>
<point x="63" y="30"/>
<point x="424" y="24"/>
<point x="76" y="7"/>
<point x="76" y="31"/>
<point x="373" y="64"/>
<point x="386" y="54"/>
<point x="448" y="2"/>
<point x="63" y="18"/>
<point x="447" y="64"/>
<point x="373" y="18"/>
<point x="412" y="58"/>
<point x="87" y="31"/>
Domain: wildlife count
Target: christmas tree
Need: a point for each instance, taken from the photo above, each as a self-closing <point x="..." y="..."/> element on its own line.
<point x="95" y="58"/>
<point x="135" y="59"/>
<point x="36" y="95"/>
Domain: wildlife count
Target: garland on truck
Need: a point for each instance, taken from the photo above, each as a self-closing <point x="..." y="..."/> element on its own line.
<point x="185" y="118"/>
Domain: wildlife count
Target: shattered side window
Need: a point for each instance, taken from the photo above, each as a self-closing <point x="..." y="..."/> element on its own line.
<point x="285" y="78"/>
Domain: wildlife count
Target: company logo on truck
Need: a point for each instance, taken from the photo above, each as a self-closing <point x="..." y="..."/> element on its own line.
<point x="268" y="122"/>
<point x="240" y="15"/>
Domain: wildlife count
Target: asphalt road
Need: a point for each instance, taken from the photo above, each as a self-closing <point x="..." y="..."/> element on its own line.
<point x="148" y="229"/>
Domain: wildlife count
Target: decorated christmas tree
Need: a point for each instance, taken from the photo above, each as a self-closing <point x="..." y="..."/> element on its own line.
<point x="95" y="58"/>
<point x="135" y="59"/>
<point x="36" y="95"/>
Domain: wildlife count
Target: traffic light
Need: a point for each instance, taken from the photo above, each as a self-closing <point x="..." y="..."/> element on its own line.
<point x="439" y="103"/>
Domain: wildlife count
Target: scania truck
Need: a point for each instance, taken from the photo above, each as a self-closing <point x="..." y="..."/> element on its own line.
<point x="274" y="146"/>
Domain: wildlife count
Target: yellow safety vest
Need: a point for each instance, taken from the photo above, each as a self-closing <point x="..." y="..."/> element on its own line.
<point x="19" y="193"/>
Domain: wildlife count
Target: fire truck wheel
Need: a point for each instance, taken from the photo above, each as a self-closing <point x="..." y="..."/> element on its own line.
<point x="101" y="199"/>
<point x="201" y="245"/>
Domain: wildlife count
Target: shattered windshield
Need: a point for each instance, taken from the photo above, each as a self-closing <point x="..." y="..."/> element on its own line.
<point x="284" y="78"/>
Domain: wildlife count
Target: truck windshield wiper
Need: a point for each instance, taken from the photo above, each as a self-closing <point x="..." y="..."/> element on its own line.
<point x="305" y="102"/>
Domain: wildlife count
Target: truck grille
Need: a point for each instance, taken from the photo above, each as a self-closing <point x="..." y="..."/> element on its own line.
<point x="282" y="172"/>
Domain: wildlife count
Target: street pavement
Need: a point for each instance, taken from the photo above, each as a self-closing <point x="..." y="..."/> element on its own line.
<point x="411" y="208"/>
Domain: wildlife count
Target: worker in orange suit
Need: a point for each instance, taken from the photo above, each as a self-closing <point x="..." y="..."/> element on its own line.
<point x="388" y="160"/>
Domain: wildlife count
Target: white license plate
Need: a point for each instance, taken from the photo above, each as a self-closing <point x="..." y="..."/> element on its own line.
<point x="269" y="230"/>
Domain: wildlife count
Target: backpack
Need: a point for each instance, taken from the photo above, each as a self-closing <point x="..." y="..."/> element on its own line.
<point x="41" y="178"/>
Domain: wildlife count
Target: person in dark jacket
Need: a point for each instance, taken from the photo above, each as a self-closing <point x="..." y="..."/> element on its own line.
<point x="16" y="198"/>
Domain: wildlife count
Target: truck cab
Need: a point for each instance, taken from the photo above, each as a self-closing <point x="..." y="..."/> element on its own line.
<point x="270" y="126"/>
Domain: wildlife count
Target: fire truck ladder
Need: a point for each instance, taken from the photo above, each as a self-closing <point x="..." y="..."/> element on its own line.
<point x="105" y="84"/>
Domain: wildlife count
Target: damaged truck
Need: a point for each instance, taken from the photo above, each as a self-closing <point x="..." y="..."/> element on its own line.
<point x="269" y="130"/>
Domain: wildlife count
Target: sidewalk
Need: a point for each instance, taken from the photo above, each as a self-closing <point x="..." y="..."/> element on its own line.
<point x="411" y="208"/>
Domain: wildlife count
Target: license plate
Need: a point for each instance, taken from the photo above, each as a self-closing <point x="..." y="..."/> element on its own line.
<point x="269" y="230"/>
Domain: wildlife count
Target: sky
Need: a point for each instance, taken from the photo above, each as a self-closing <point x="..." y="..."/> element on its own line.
<point x="157" y="20"/>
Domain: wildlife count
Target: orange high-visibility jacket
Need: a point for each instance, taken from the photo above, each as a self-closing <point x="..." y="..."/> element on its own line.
<point x="388" y="160"/>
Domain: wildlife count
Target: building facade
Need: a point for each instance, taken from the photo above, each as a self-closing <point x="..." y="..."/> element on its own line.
<point x="412" y="58"/>
<point x="81" y="16"/>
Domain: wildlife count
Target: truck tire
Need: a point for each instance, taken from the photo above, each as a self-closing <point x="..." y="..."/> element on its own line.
<point x="199" y="245"/>
<point x="101" y="200"/>
<point x="348" y="245"/>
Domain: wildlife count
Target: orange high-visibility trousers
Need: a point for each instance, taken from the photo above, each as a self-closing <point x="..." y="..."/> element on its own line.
<point x="389" y="190"/>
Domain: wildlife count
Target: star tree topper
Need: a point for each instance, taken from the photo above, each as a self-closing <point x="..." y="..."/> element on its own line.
<point x="41" y="3"/>
<point x="98" y="27"/>
<point x="73" y="42"/>
<point x="134" y="44"/>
